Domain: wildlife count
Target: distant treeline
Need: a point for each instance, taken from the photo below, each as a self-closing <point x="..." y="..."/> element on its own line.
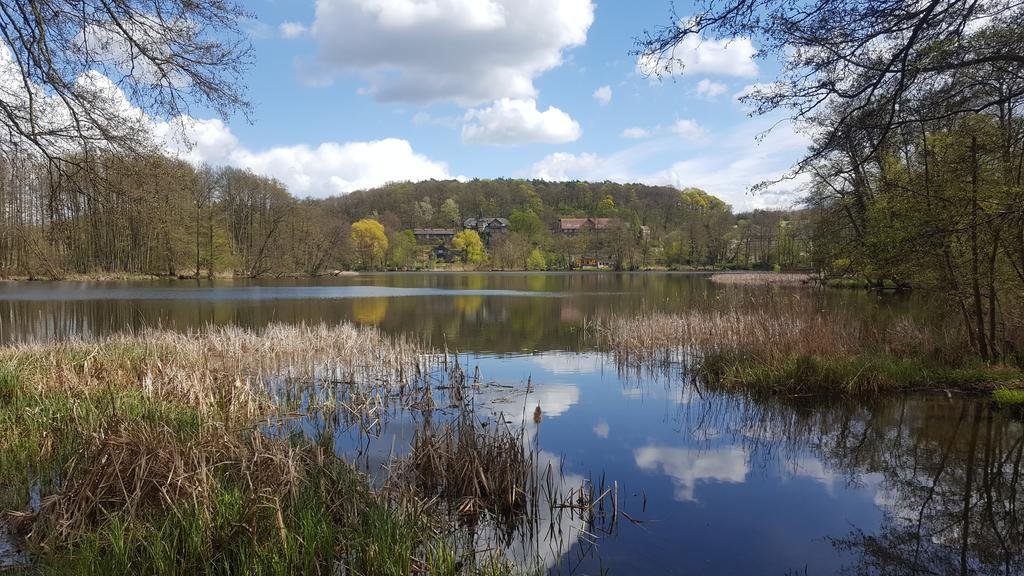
<point x="156" y="215"/>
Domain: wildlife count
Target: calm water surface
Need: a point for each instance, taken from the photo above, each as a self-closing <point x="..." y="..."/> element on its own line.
<point x="712" y="484"/>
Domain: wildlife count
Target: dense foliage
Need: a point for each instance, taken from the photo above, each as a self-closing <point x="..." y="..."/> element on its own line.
<point x="161" y="216"/>
<point x="917" y="163"/>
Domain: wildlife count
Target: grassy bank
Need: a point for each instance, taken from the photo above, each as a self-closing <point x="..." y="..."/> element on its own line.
<point x="150" y="454"/>
<point x="784" y="343"/>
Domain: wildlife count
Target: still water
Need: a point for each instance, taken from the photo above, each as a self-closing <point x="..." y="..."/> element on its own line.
<point x="707" y="483"/>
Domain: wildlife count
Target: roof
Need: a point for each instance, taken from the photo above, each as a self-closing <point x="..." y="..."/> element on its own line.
<point x="433" y="232"/>
<point x="484" y="222"/>
<point x="597" y="223"/>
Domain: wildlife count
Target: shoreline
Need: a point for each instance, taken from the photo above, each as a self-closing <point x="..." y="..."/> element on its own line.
<point x="718" y="276"/>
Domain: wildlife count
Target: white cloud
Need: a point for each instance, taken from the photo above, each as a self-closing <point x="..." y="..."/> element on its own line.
<point x="603" y="95"/>
<point x="688" y="467"/>
<point x="688" y="129"/>
<point x="729" y="171"/>
<point x="726" y="166"/>
<point x="510" y="122"/>
<point x="564" y="166"/>
<point x="293" y="29"/>
<point x="709" y="89"/>
<point x="601" y="429"/>
<point x="467" y="51"/>
<point x="330" y="168"/>
<point x="561" y="363"/>
<point x="327" y="169"/>
<point x="694" y="55"/>
<point x="426" y="119"/>
<point x="635" y="133"/>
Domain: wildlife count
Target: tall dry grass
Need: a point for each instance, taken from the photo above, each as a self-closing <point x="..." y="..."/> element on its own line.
<point x="223" y="370"/>
<point x="792" y="342"/>
<point x="764" y="279"/>
<point x="471" y="467"/>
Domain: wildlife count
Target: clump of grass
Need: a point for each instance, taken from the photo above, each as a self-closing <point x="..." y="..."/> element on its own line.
<point x="473" y="468"/>
<point x="1010" y="400"/>
<point x="1009" y="397"/>
<point x="851" y="375"/>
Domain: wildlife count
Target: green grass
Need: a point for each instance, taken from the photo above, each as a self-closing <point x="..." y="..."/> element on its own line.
<point x="1010" y="400"/>
<point x="853" y="375"/>
<point x="1008" y="397"/>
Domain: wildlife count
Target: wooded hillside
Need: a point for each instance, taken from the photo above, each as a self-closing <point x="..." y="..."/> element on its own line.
<point x="157" y="215"/>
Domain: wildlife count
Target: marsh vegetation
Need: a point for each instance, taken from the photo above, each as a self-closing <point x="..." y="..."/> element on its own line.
<point x="788" y="342"/>
<point x="164" y="452"/>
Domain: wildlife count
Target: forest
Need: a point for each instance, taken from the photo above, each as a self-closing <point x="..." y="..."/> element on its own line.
<point x="154" y="215"/>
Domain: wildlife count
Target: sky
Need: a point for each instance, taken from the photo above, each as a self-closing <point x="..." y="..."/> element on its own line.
<point x="352" y="94"/>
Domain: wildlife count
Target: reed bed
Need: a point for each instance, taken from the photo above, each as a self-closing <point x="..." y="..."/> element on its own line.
<point x="764" y="279"/>
<point x="153" y="453"/>
<point x="790" y="343"/>
<point x="222" y="370"/>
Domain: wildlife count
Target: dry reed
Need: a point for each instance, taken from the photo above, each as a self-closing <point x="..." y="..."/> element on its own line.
<point x="763" y="279"/>
<point x="472" y="467"/>
<point x="791" y="342"/>
<point x="141" y="467"/>
<point x="223" y="370"/>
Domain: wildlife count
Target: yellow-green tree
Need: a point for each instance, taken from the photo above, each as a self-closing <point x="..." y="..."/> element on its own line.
<point x="468" y="242"/>
<point x="536" y="261"/>
<point x="370" y="240"/>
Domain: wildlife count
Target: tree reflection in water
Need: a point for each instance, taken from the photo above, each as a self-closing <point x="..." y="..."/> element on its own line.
<point x="948" y="473"/>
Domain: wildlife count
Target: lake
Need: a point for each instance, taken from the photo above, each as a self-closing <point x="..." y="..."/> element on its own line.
<point x="705" y="483"/>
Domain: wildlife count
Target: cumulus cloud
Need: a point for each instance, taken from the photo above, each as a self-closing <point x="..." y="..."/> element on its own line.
<point x="695" y="55"/>
<point x="511" y="122"/>
<point x="560" y="363"/>
<point x="562" y="166"/>
<point x="330" y="168"/>
<point x="467" y="51"/>
<point x="603" y="95"/>
<point x="687" y="467"/>
<point x="293" y="29"/>
<point x="636" y="133"/>
<point x="688" y="129"/>
<point x="727" y="166"/>
<point x="709" y="89"/>
<point x="327" y="169"/>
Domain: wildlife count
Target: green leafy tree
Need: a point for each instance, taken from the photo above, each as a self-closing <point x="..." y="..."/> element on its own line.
<point x="606" y="207"/>
<point x="449" y="213"/>
<point x="536" y="261"/>
<point x="526" y="222"/>
<point x="402" y="249"/>
<point x="370" y="241"/>
<point x="472" y="247"/>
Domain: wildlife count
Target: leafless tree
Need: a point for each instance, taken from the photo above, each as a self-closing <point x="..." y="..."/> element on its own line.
<point x="80" y="75"/>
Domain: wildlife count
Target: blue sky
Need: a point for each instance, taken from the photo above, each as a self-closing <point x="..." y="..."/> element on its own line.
<point x="354" y="93"/>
